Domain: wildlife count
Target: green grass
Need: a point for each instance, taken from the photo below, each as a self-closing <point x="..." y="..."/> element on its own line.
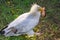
<point x="9" y="10"/>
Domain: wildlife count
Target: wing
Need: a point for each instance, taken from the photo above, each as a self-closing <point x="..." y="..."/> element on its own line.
<point x="18" y="20"/>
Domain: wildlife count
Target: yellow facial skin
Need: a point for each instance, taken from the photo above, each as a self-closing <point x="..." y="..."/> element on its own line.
<point x="42" y="10"/>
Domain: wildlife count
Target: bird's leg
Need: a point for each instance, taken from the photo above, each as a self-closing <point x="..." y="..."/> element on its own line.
<point x="30" y="33"/>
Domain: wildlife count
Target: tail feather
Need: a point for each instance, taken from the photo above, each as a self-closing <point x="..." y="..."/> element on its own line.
<point x="1" y="31"/>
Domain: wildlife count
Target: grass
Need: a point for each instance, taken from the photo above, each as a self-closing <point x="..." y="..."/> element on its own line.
<point x="48" y="26"/>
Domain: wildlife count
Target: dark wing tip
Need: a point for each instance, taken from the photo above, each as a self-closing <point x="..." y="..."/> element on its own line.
<point x="2" y="32"/>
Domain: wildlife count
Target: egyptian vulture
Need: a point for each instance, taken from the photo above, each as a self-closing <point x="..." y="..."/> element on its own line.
<point x="25" y="23"/>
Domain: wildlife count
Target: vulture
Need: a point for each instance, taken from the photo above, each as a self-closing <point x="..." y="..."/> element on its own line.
<point x="24" y="23"/>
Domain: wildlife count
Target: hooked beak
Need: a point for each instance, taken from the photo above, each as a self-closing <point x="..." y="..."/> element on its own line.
<point x="42" y="10"/>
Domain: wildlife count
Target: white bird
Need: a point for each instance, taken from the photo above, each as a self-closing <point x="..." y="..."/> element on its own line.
<point x="25" y="23"/>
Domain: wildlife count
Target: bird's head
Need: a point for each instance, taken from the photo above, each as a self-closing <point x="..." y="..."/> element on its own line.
<point x="36" y="8"/>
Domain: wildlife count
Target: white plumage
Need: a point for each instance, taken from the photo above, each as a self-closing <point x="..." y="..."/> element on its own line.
<point x="25" y="23"/>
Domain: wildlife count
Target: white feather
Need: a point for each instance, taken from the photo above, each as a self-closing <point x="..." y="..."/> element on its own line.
<point x="25" y="22"/>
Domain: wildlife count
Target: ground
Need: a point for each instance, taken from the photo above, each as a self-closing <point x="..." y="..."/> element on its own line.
<point x="48" y="27"/>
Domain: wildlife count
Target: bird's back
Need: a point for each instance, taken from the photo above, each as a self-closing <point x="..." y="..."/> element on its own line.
<point x="18" y="20"/>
